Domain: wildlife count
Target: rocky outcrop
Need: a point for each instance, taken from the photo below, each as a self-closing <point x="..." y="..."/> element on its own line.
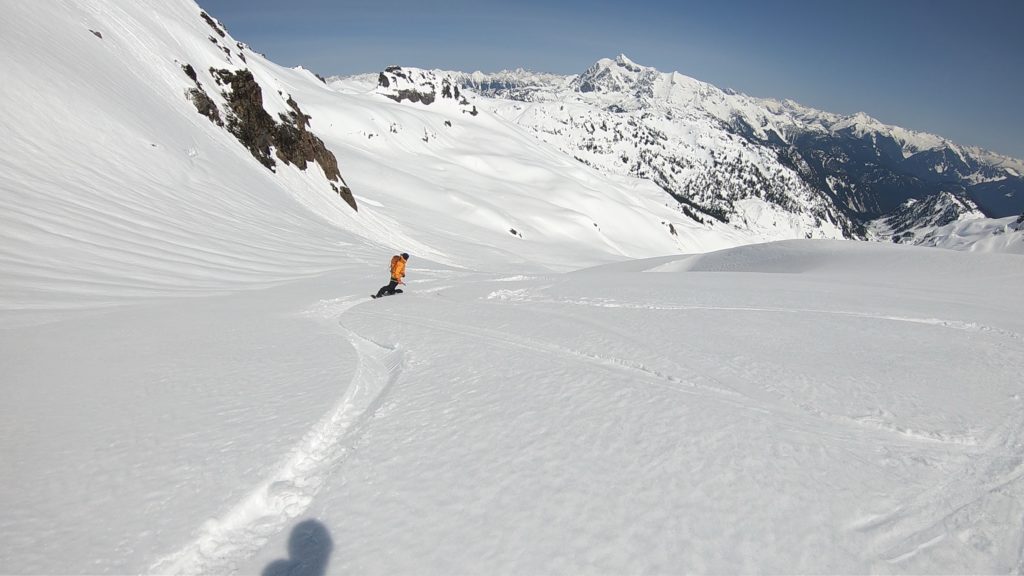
<point x="202" y="101"/>
<point x="247" y="119"/>
<point x="213" y="24"/>
<point x="287" y="139"/>
<point x="420" y="86"/>
<point x="424" y="93"/>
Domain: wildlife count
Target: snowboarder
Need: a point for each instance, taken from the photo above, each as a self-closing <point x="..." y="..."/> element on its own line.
<point x="397" y="273"/>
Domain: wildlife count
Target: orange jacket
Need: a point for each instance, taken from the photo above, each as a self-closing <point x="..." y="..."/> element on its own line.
<point x="397" y="268"/>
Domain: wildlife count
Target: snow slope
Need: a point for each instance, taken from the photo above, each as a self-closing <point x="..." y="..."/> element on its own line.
<point x="125" y="192"/>
<point x="979" y="235"/>
<point x="194" y="379"/>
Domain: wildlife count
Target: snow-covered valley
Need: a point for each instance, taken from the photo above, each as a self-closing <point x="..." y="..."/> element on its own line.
<point x="195" y="380"/>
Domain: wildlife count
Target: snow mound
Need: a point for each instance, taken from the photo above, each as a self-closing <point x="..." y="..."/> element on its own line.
<point x="837" y="259"/>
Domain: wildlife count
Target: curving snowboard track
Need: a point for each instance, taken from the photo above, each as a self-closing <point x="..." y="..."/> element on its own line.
<point x="223" y="542"/>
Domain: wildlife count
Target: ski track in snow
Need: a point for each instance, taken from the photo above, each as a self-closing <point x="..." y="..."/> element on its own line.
<point x="992" y="478"/>
<point x="523" y="295"/>
<point x="225" y="541"/>
<point x="654" y="377"/>
<point x="988" y="483"/>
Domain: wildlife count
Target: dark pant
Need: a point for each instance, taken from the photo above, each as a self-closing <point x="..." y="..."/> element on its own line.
<point x="390" y="288"/>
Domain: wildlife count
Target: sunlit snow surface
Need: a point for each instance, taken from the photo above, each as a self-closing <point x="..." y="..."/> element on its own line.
<point x="793" y="407"/>
<point x="192" y="370"/>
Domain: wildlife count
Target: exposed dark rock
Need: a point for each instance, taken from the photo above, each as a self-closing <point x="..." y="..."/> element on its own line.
<point x="97" y="34"/>
<point x="248" y="121"/>
<point x="382" y="81"/>
<point x="672" y="229"/>
<point x="190" y="72"/>
<point x="213" y="23"/>
<point x="204" y="105"/>
<point x="297" y="145"/>
<point x="291" y="138"/>
<point x="346" y="194"/>
<point x="413" y="96"/>
<point x="202" y="101"/>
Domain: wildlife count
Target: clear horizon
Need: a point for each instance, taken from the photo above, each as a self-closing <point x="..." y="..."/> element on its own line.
<point x="945" y="67"/>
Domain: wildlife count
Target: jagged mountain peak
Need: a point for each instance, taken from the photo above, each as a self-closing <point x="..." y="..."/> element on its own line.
<point x="623" y="60"/>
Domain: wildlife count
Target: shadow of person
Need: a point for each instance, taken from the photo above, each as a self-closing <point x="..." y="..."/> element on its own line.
<point x="309" y="550"/>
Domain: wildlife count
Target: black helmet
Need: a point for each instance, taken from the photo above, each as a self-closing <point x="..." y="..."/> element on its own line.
<point x="405" y="256"/>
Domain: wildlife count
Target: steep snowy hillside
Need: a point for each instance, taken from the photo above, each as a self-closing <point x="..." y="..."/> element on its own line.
<point x="171" y="116"/>
<point x="116" y="188"/>
<point x="429" y="156"/>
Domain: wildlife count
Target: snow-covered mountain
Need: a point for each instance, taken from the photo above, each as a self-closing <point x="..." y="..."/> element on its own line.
<point x="976" y="234"/>
<point x="181" y="105"/>
<point x="714" y="150"/>
<point x="948" y="221"/>
<point x="916" y="216"/>
<point x="578" y="378"/>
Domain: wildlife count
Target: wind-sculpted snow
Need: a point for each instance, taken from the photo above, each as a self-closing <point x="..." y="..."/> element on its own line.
<point x="129" y="194"/>
<point x="732" y="421"/>
<point x="577" y="379"/>
<point x="719" y="413"/>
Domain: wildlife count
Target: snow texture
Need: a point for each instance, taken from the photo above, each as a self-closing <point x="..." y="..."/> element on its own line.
<point x="194" y="379"/>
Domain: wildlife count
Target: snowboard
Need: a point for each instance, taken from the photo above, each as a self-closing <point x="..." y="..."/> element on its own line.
<point x="374" y="296"/>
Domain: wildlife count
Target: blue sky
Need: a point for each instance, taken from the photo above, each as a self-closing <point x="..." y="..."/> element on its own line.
<point x="950" y="67"/>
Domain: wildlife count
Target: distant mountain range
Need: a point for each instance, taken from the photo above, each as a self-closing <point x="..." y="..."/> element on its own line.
<point x="714" y="150"/>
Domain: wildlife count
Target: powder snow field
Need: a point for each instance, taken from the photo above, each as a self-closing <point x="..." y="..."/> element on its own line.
<point x="806" y="406"/>
<point x="193" y="378"/>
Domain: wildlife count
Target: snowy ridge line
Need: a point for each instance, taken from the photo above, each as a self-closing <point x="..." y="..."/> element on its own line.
<point x="607" y="303"/>
<point x="225" y="541"/>
<point x="990" y="482"/>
